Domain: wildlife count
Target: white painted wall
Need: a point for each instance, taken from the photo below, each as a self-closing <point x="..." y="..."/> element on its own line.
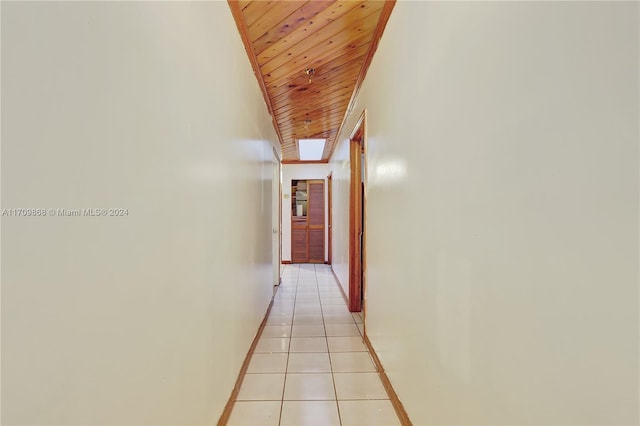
<point x="153" y="107"/>
<point x="503" y="211"/>
<point x="300" y="171"/>
<point x="341" y="176"/>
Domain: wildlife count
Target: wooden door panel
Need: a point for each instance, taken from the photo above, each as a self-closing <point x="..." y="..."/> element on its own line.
<point x="316" y="204"/>
<point x="316" y="221"/>
<point x="307" y="232"/>
<point x="299" y="252"/>
<point x="316" y="245"/>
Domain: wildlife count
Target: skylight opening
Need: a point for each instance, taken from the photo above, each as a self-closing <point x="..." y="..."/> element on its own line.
<point x="311" y="149"/>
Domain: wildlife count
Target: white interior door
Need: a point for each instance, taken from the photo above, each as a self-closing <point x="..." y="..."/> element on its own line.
<point x="275" y="220"/>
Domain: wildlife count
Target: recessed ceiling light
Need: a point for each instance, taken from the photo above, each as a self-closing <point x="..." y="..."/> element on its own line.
<point x="311" y="149"/>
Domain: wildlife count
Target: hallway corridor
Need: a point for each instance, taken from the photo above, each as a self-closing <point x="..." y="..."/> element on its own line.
<point x="310" y="366"/>
<point x="155" y="162"/>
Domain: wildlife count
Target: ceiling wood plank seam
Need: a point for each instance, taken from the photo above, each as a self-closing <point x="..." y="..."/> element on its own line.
<point x="310" y="58"/>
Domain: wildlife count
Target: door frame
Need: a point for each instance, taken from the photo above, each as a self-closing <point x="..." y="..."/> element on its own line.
<point x="310" y="226"/>
<point x="278" y="230"/>
<point x="357" y="246"/>
<point x="329" y="216"/>
<point x="299" y="227"/>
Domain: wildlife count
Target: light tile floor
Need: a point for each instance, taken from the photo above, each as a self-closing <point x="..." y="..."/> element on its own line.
<point x="310" y="366"/>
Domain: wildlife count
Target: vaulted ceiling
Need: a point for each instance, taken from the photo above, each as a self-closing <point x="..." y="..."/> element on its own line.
<point x="310" y="58"/>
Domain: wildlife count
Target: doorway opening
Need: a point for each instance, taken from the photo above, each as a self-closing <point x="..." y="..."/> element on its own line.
<point x="276" y="218"/>
<point x="307" y="221"/>
<point x="357" y="215"/>
<point x="329" y="216"/>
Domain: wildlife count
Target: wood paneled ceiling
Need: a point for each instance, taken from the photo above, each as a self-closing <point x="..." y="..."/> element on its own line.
<point x="334" y="39"/>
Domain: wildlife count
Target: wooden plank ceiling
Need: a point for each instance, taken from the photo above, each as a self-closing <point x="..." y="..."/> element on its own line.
<point x="333" y="41"/>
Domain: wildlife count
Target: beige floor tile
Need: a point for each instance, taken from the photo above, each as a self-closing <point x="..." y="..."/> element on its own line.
<point x="304" y="413"/>
<point x="316" y="330"/>
<point x="326" y="292"/>
<point x="342" y="330"/>
<point x="307" y="299"/>
<point x="337" y="319"/>
<point x="332" y="301"/>
<point x="255" y="413"/>
<point x="309" y="363"/>
<point x="272" y="345"/>
<point x="352" y="362"/>
<point x="268" y="363"/>
<point x="282" y="311"/>
<point x="308" y="344"/>
<point x="307" y="319"/>
<point x="368" y="413"/>
<point x="359" y="386"/>
<point x="308" y="306"/>
<point x="276" y="331"/>
<point x="335" y="310"/>
<point x="314" y="386"/>
<point x="346" y="344"/>
<point x="280" y="319"/>
<point x="308" y="311"/>
<point x="283" y="303"/>
<point x="262" y="387"/>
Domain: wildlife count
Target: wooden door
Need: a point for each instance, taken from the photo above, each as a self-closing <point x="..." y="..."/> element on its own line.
<point x="316" y="221"/>
<point x="357" y="248"/>
<point x="299" y="222"/>
<point x="329" y="213"/>
<point x="299" y="243"/>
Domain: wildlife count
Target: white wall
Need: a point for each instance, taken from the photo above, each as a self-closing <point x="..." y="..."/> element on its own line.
<point x="300" y="171"/>
<point x="153" y="107"/>
<point x="503" y="211"/>
<point x="341" y="176"/>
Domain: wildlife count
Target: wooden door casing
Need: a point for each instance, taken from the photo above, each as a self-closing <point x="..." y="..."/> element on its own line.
<point x="316" y="221"/>
<point x="357" y="248"/>
<point x="308" y="232"/>
<point x="329" y="217"/>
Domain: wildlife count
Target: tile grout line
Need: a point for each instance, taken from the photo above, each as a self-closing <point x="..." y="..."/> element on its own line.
<point x="382" y="376"/>
<point x="284" y="385"/>
<point x="233" y="398"/>
<point x="333" y="378"/>
<point x="304" y="400"/>
<point x="368" y="351"/>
